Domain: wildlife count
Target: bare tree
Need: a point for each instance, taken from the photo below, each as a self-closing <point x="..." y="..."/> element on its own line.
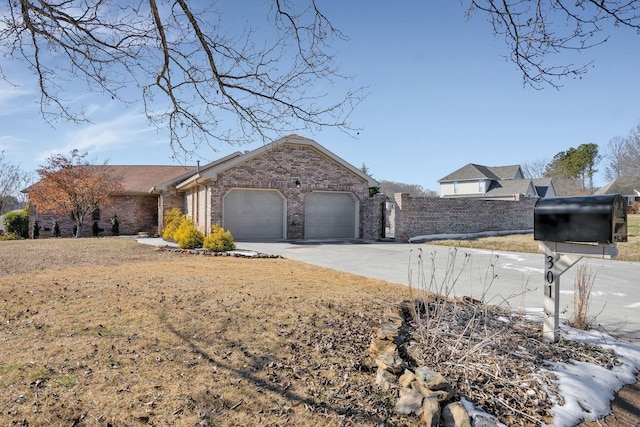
<point x="539" y="32"/>
<point x="617" y="157"/>
<point x="632" y="165"/>
<point x="391" y="187"/>
<point x="535" y="169"/>
<point x="12" y="180"/>
<point x="199" y="74"/>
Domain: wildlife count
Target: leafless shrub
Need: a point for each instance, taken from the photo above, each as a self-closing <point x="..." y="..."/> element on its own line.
<point x="491" y="355"/>
<point x="582" y="286"/>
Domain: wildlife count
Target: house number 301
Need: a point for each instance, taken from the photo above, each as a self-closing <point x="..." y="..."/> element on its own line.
<point x="549" y="275"/>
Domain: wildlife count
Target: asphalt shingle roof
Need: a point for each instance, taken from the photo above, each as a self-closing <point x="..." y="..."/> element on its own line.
<point x="623" y="185"/>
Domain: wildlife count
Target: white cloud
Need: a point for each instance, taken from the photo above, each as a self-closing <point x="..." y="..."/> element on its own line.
<point x="124" y="132"/>
<point x="10" y="102"/>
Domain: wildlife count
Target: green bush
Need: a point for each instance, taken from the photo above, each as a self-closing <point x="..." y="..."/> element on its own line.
<point x="115" y="226"/>
<point x="187" y="235"/>
<point x="10" y="236"/>
<point x="219" y="240"/>
<point x="17" y="223"/>
<point x="172" y="221"/>
<point x="35" y="233"/>
<point x="55" y="229"/>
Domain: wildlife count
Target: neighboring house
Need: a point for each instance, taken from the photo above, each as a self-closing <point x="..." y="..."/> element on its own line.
<point x="629" y="187"/>
<point x="292" y="188"/>
<point x="494" y="182"/>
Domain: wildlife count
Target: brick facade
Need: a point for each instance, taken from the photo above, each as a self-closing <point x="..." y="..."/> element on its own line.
<point x="280" y="168"/>
<point x="416" y="216"/>
<point x="135" y="214"/>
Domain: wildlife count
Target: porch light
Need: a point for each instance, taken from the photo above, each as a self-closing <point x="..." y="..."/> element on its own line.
<point x="297" y="183"/>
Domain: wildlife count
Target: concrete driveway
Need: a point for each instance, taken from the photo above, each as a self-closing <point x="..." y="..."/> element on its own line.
<point x="507" y="278"/>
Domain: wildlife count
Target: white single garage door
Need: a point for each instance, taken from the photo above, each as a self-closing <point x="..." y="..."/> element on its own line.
<point x="330" y="215"/>
<point x="254" y="214"/>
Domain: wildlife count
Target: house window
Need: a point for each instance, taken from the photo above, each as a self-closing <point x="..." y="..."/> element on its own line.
<point x="480" y="186"/>
<point x="455" y="187"/>
<point x="95" y="215"/>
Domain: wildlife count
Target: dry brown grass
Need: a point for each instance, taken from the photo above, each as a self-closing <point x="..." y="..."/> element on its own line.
<point x="110" y="332"/>
<point x="628" y="251"/>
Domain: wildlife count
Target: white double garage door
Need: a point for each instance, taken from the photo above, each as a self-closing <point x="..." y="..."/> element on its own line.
<point x="262" y="215"/>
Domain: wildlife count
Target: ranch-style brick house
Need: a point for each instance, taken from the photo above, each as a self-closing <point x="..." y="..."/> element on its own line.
<point x="292" y="188"/>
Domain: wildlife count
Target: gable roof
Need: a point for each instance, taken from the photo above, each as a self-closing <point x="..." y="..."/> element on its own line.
<point x="211" y="170"/>
<point x="509" y="187"/>
<point x="473" y="171"/>
<point x="542" y="186"/>
<point x="625" y="185"/>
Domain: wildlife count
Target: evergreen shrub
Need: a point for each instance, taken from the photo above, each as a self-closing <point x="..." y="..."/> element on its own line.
<point x="17" y="223"/>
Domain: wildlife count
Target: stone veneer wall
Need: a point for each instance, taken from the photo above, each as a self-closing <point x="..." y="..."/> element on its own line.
<point x="416" y="216"/>
<point x="279" y="168"/>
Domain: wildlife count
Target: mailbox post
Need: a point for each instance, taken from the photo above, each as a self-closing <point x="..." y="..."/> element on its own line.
<point x="568" y="229"/>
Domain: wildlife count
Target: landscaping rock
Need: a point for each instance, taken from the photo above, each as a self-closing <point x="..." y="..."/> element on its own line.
<point x="406" y="379"/>
<point x="385" y="379"/>
<point x="431" y="379"/>
<point x="410" y="402"/>
<point x="455" y="415"/>
<point x="442" y="396"/>
<point x="391" y="362"/>
<point x="379" y="346"/>
<point x="430" y="412"/>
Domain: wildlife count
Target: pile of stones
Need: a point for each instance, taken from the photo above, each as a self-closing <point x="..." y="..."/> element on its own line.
<point x="422" y="392"/>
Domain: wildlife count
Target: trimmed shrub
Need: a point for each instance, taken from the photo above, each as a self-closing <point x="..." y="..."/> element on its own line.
<point x="10" y="236"/>
<point x="187" y="235"/>
<point x="172" y="221"/>
<point x="17" y="223"/>
<point x="115" y="226"/>
<point x="219" y="240"/>
<point x="35" y="233"/>
<point x="55" y="229"/>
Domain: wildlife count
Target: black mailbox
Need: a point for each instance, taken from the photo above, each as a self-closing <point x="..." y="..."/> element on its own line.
<point x="581" y="219"/>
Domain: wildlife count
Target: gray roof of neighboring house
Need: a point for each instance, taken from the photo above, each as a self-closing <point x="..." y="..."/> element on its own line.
<point x="508" y="187"/>
<point x="626" y="185"/>
<point x="473" y="171"/>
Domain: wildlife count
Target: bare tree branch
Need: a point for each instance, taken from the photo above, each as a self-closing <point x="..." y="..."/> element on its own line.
<point x="198" y="75"/>
<point x="539" y="32"/>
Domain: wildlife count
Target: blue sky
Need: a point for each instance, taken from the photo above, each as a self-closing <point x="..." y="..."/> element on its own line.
<point x="441" y="95"/>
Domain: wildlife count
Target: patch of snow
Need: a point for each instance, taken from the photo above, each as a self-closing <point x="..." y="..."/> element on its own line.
<point x="475" y="412"/>
<point x="588" y="389"/>
<point x="524" y="269"/>
<point x="243" y="252"/>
